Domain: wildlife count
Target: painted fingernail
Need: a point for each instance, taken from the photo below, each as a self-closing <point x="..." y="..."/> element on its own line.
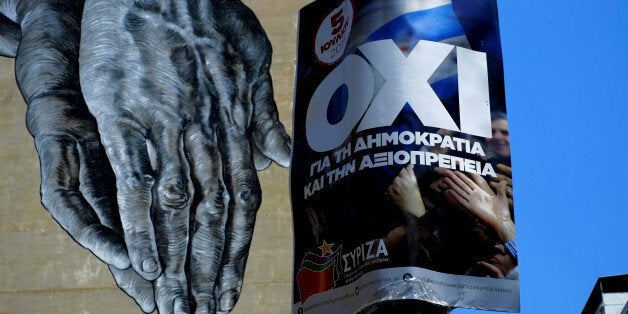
<point x="174" y="195"/>
<point x="149" y="265"/>
<point x="179" y="306"/>
<point x="228" y="300"/>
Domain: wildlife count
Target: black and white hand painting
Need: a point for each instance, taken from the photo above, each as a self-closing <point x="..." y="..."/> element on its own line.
<point x="150" y="119"/>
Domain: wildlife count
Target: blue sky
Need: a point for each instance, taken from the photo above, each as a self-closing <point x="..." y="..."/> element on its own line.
<point x="567" y="99"/>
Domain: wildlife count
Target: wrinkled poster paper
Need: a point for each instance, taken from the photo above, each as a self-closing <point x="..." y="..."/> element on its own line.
<point x="400" y="178"/>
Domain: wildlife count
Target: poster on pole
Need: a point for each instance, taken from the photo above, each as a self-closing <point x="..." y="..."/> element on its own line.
<point x="401" y="181"/>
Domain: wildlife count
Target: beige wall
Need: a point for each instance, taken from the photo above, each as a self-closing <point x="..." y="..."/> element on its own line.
<point x="43" y="271"/>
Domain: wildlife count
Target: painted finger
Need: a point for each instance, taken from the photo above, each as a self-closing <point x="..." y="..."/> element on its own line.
<point x="269" y="135"/>
<point x="46" y="69"/>
<point x="253" y="49"/>
<point x="172" y="188"/>
<point x="10" y="35"/>
<point x="136" y="287"/>
<point x="243" y="186"/>
<point x="171" y="294"/>
<point x="98" y="183"/>
<point x="208" y="218"/>
<point x="261" y="161"/>
<point x="60" y="194"/>
<point x="126" y="149"/>
<point x="170" y="212"/>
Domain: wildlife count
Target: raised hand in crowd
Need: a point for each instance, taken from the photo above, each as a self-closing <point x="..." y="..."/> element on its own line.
<point x="404" y="192"/>
<point x="183" y="99"/>
<point x="489" y="203"/>
<point x="474" y="194"/>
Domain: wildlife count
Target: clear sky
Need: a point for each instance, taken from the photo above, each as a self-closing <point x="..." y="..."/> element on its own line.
<point x="567" y="99"/>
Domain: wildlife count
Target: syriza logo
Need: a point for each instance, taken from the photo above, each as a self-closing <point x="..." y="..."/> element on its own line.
<point x="333" y="33"/>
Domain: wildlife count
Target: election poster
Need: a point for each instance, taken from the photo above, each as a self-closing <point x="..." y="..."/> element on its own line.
<point x="401" y="181"/>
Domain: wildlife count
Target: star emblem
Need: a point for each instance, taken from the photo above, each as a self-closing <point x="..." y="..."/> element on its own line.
<point x="326" y="248"/>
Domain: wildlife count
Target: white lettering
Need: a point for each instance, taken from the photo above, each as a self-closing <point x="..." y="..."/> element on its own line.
<point x="356" y="74"/>
<point x="406" y="82"/>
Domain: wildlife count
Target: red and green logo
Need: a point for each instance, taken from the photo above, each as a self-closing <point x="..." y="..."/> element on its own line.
<point x="316" y="272"/>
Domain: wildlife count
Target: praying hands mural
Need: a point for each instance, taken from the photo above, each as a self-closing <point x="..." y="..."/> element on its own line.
<point x="150" y="118"/>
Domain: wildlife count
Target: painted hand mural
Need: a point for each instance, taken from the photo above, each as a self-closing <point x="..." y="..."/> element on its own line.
<point x="150" y="162"/>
